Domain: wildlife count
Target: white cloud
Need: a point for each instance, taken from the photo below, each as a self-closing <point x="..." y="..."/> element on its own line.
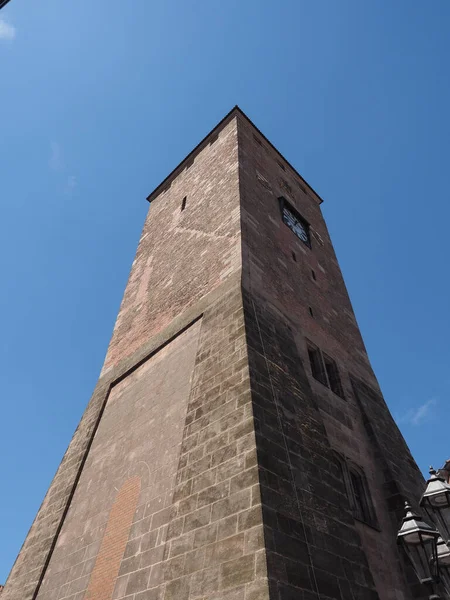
<point x="71" y="184"/>
<point x="7" y="31"/>
<point x="417" y="416"/>
<point x="55" y="161"/>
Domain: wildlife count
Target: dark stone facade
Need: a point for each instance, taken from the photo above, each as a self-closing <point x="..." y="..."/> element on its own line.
<point x="207" y="464"/>
<point x="311" y="541"/>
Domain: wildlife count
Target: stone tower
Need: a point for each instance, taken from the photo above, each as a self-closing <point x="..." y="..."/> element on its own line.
<point x="237" y="445"/>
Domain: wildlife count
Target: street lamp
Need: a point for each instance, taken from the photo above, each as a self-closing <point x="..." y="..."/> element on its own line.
<point x="436" y="502"/>
<point x="443" y="557"/>
<point x="419" y="540"/>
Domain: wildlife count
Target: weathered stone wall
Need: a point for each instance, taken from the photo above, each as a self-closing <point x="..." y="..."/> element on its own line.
<point x="178" y="454"/>
<point x="312" y="545"/>
<point x="197" y="527"/>
<point x="182" y="254"/>
<point x="398" y="476"/>
<point x="27" y="571"/>
<point x="268" y="246"/>
<point x="280" y="270"/>
<point x="137" y="442"/>
<point x="215" y="543"/>
<point x="204" y="466"/>
<point x="182" y="257"/>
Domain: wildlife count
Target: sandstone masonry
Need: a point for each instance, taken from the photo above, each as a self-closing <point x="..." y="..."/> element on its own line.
<point x="210" y="463"/>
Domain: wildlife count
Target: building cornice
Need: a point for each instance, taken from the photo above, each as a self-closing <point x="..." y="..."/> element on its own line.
<point x="235" y="111"/>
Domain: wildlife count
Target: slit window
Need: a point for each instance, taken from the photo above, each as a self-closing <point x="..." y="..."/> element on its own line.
<point x="324" y="368"/>
<point x="296" y="223"/>
<point x="357" y="491"/>
<point x="183" y="203"/>
<point x="361" y="508"/>
<point x="334" y="380"/>
<point x="315" y="360"/>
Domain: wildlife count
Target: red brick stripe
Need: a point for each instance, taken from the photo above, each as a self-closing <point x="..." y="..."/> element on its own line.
<point x="107" y="565"/>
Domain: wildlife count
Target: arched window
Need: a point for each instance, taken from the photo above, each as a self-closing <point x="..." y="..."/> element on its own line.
<point x="357" y="491"/>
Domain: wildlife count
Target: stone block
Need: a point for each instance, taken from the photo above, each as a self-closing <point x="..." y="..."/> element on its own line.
<point x="237" y="572"/>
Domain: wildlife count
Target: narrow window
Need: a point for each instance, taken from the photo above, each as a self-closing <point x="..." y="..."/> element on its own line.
<point x="262" y="180"/>
<point x="281" y="165"/>
<point x="333" y="375"/>
<point x="311" y="311"/>
<point x="286" y="187"/>
<point x="313" y="275"/>
<point x="315" y="360"/>
<point x="294" y="257"/>
<point x="324" y="368"/>
<point x="357" y="491"/>
<point x="257" y="140"/>
<point x="361" y="509"/>
<point x="183" y="203"/>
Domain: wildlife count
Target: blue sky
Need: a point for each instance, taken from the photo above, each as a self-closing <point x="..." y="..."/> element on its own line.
<point x="100" y="100"/>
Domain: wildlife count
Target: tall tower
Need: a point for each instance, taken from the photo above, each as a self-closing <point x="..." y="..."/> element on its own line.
<point x="237" y="445"/>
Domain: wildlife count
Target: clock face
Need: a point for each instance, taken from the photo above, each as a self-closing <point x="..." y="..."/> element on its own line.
<point x="298" y="226"/>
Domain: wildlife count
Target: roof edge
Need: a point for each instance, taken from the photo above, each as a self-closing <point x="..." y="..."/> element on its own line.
<point x="226" y="119"/>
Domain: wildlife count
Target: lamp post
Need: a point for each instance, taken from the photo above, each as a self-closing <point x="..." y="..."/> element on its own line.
<point x="443" y="558"/>
<point x="436" y="503"/>
<point x="419" y="541"/>
<point x="428" y="546"/>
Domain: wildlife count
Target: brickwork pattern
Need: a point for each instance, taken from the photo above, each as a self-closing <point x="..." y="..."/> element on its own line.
<point x="107" y="564"/>
<point x="403" y="475"/>
<point x="313" y="548"/>
<point x="241" y="493"/>
<point x="268" y="263"/>
<point x="157" y="292"/>
<point x="202" y="241"/>
<point x="288" y="285"/>
<point x="139" y="435"/>
<point x="211" y="541"/>
<point x="399" y="475"/>
<point x="215" y="543"/>
<point x="27" y="571"/>
<point x="204" y="537"/>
